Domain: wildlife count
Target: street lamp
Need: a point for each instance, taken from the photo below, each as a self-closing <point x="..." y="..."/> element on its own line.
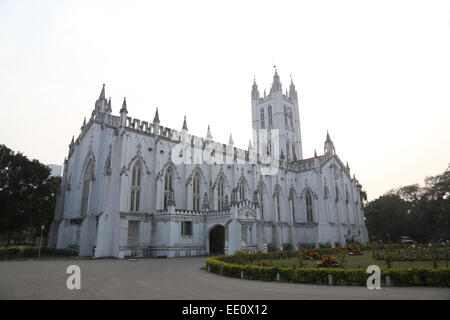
<point x="40" y="241"/>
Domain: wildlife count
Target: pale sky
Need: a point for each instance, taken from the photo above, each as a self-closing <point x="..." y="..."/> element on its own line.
<point x="376" y="74"/>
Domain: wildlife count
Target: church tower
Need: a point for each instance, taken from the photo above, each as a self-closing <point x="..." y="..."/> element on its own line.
<point x="277" y="110"/>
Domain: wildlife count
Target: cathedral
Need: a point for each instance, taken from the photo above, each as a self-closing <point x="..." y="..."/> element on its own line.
<point x="133" y="188"/>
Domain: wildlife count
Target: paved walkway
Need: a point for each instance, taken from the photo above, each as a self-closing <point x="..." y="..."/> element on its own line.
<point x="176" y="278"/>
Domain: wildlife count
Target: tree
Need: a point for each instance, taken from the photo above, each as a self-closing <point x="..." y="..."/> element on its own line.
<point x="420" y="212"/>
<point x="27" y="195"/>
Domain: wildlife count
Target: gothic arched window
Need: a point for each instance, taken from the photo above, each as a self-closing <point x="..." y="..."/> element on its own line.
<point x="269" y="114"/>
<point x="87" y="178"/>
<point x="336" y="200"/>
<point x="277" y="196"/>
<point x="167" y="186"/>
<point x="286" y="124"/>
<point x="220" y="204"/>
<point x="242" y="191"/>
<point x="288" y="153"/>
<point x="291" y="198"/>
<point x="294" y="156"/>
<point x="263" y="124"/>
<point x="196" y="192"/>
<point x="292" y="121"/>
<point x="261" y="202"/>
<point x="135" y="189"/>
<point x="309" y="208"/>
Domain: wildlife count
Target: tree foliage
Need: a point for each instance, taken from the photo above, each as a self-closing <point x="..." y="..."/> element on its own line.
<point x="27" y="195"/>
<point x="420" y="212"/>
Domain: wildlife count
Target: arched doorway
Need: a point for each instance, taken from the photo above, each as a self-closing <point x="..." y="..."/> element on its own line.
<point x="217" y="240"/>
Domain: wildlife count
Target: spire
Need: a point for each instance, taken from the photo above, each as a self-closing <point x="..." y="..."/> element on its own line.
<point x="230" y="141"/>
<point x="156" y="118"/>
<point x="250" y="147"/>
<point x="84" y="124"/>
<point x="124" y="106"/>
<point x="315" y="153"/>
<point x="102" y="93"/>
<point x="276" y="85"/>
<point x="108" y="106"/>
<point x="292" y="91"/>
<point x="185" y="124"/>
<point x="255" y="92"/>
<point x="208" y="133"/>
<point x="329" y="146"/>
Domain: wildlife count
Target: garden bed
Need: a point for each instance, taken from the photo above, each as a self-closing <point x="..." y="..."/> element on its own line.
<point x="284" y="266"/>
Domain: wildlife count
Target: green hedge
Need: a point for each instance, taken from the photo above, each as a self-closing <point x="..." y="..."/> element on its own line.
<point x="398" y="277"/>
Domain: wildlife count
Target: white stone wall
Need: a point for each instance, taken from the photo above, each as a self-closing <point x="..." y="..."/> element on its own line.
<point x="115" y="144"/>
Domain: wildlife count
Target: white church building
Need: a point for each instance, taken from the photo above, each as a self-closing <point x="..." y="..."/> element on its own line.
<point x="137" y="188"/>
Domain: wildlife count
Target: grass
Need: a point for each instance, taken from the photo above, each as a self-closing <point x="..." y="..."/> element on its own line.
<point x="352" y="262"/>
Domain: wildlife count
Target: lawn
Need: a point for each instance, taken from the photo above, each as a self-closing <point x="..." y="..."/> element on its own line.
<point x="352" y="262"/>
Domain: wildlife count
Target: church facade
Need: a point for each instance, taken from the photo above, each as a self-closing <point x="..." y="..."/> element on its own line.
<point x="136" y="188"/>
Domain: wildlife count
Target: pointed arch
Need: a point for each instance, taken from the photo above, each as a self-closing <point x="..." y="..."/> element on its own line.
<point x="313" y="194"/>
<point x="162" y="172"/>
<point x="168" y="186"/>
<point x="309" y="206"/>
<point x="88" y="161"/>
<point x="195" y="171"/>
<point x="196" y="191"/>
<point x="243" y="188"/>
<point x="277" y="196"/>
<point x="337" y="194"/>
<point x="277" y="189"/>
<point x="135" y="188"/>
<point x="87" y="179"/>
<point x="291" y="199"/>
<point x="137" y="157"/>
<point x="222" y="175"/>
<point x="261" y="191"/>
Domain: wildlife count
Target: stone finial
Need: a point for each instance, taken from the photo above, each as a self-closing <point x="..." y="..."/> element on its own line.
<point x="230" y="140"/>
<point x="108" y="106"/>
<point x="124" y="106"/>
<point x="208" y="133"/>
<point x="185" y="124"/>
<point x="102" y="93"/>
<point x="156" y="118"/>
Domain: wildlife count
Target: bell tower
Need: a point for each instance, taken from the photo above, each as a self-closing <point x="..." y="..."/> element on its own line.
<point x="277" y="110"/>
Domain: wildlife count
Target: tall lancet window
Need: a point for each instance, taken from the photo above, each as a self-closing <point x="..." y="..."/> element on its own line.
<point x="196" y="192"/>
<point x="220" y="200"/>
<point x="288" y="153"/>
<point x="135" y="187"/>
<point x="86" y="188"/>
<point x="167" y="186"/>
<point x="291" y="120"/>
<point x="291" y="198"/>
<point x="242" y="191"/>
<point x="269" y="115"/>
<point x="294" y="156"/>
<point x="277" y="197"/>
<point x="286" y="124"/>
<point x="309" y="208"/>
<point x="263" y="124"/>
<point x="261" y="202"/>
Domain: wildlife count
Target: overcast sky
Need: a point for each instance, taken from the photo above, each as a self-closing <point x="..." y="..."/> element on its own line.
<point x="376" y="74"/>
